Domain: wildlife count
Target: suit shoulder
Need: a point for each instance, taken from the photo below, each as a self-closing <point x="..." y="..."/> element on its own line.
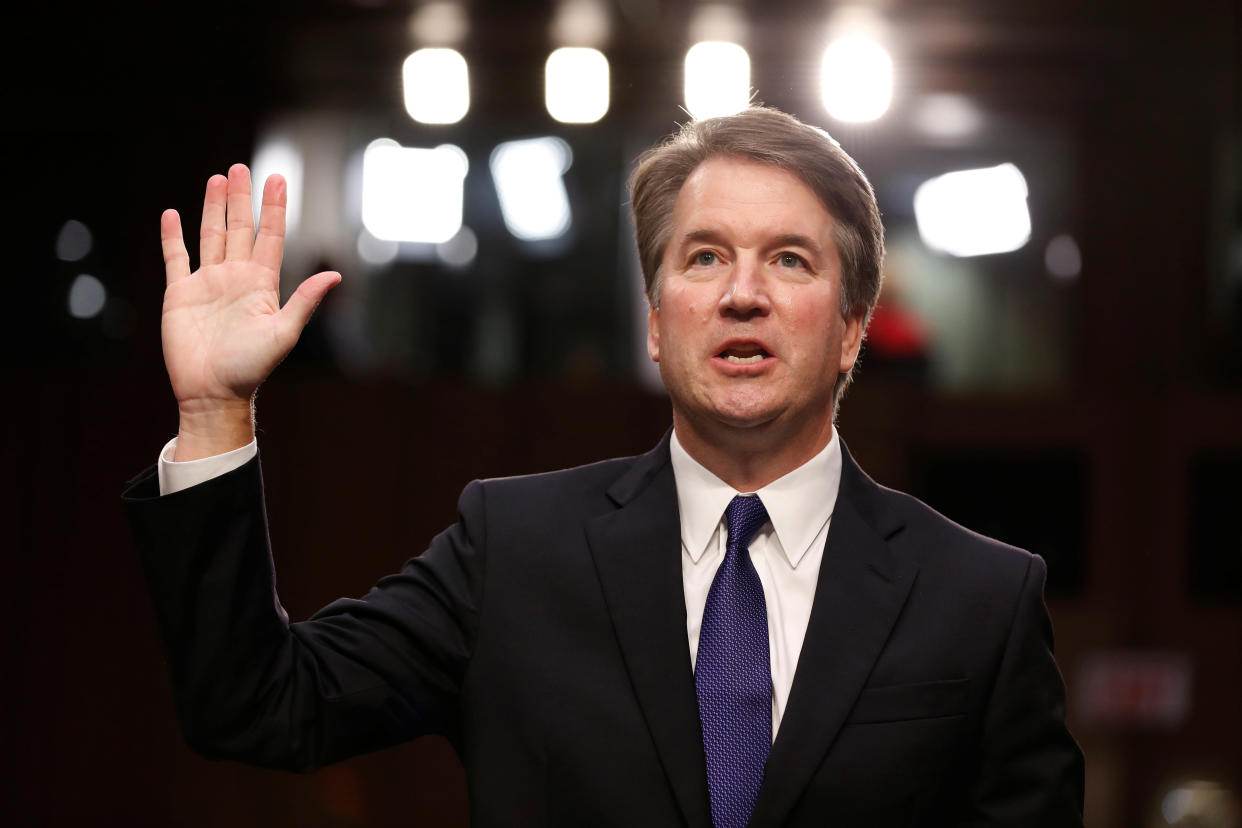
<point x="578" y="482"/>
<point x="953" y="543"/>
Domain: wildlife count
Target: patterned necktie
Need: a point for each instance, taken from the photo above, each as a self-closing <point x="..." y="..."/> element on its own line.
<point x="733" y="673"/>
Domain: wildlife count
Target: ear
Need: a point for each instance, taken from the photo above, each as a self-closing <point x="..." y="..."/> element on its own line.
<point x="851" y="341"/>
<point x="653" y="333"/>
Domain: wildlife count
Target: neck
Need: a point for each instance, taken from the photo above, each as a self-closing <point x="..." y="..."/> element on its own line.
<point x="750" y="458"/>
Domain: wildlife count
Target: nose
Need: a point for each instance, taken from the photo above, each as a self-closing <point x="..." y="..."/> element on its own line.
<point x="746" y="291"/>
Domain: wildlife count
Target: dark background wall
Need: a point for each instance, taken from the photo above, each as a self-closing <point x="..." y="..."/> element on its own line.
<point x="1124" y="471"/>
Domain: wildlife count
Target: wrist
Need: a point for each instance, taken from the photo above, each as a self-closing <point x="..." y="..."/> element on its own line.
<point x="205" y="430"/>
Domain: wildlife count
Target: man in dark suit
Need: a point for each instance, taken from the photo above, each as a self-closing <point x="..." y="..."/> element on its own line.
<point x="738" y="627"/>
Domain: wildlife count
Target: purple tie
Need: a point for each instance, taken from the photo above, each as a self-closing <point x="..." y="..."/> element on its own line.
<point x="733" y="673"/>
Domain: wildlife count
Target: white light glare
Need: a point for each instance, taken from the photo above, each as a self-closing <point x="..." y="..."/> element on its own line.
<point x="974" y="212"/>
<point x="437" y="89"/>
<point x="576" y="85"/>
<point x="278" y="156"/>
<point x="73" y="242"/>
<point x="87" y="296"/>
<point x="412" y="194"/>
<point x="717" y="79"/>
<point x="857" y="79"/>
<point x="529" y="185"/>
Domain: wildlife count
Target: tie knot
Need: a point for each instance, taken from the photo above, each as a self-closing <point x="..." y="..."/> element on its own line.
<point x="744" y="516"/>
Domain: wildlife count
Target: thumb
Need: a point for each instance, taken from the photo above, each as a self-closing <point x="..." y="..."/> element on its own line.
<point x="293" y="317"/>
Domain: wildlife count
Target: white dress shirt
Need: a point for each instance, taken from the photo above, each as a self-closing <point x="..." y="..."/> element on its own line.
<point x="786" y="552"/>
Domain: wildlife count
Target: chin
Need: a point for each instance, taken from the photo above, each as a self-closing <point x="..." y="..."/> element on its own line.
<point x="744" y="416"/>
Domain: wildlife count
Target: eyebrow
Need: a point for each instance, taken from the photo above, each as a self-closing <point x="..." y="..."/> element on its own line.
<point x="798" y="240"/>
<point x="783" y="240"/>
<point x="702" y="235"/>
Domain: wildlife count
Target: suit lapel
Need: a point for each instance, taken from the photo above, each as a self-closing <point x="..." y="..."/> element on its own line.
<point x="861" y="589"/>
<point x="637" y="553"/>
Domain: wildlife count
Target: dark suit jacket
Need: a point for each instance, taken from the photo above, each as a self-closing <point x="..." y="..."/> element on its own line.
<point x="544" y="633"/>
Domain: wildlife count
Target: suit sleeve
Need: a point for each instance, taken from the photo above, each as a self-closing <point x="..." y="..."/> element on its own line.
<point x="1031" y="770"/>
<point x="358" y="676"/>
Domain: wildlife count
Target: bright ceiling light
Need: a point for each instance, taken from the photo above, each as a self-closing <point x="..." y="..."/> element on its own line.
<point x="529" y="186"/>
<point x="437" y="89"/>
<point x="411" y="194"/>
<point x="717" y="79"/>
<point x="857" y="79"/>
<point x="576" y="85"/>
<point x="974" y="212"/>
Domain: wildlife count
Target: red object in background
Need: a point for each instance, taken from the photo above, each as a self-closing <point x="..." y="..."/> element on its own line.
<point x="1135" y="688"/>
<point x="895" y="333"/>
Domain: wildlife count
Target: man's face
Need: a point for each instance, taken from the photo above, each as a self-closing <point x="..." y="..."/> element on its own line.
<point x="749" y="331"/>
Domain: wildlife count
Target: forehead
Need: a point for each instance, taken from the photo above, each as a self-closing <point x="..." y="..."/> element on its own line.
<point x="745" y="196"/>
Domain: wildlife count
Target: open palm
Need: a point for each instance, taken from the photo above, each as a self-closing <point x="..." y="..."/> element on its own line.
<point x="223" y="328"/>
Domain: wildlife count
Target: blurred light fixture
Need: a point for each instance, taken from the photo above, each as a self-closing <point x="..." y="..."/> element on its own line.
<point x="87" y="297"/>
<point x="717" y="79"/>
<point x="439" y="24"/>
<point x="1197" y="803"/>
<point x="412" y="194"/>
<point x="974" y="212"/>
<point x="532" y="193"/>
<point x="437" y="89"/>
<point x="73" y="242"/>
<point x="580" y="23"/>
<point x="459" y="251"/>
<point x="717" y="22"/>
<point x="857" y="79"/>
<point x="946" y="115"/>
<point x="277" y="155"/>
<point x="1062" y="257"/>
<point x="576" y="85"/>
<point x="373" y="251"/>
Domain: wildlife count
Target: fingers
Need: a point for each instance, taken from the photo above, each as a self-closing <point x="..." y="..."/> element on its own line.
<point x="176" y="260"/>
<point x="239" y="237"/>
<point x="211" y="234"/>
<point x="269" y="245"/>
<point x="297" y="311"/>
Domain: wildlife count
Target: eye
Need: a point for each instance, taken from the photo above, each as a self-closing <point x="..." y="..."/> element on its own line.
<point x="791" y="260"/>
<point x="705" y="258"/>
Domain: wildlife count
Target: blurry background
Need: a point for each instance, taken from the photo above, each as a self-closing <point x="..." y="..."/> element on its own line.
<point x="1057" y="359"/>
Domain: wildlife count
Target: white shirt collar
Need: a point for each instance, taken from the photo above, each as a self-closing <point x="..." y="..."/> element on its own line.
<point x="798" y="504"/>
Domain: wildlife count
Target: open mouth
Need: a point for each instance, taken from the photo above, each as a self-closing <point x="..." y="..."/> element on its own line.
<point x="743" y="354"/>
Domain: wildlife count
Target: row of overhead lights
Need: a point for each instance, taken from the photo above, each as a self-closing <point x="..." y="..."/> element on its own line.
<point x="856" y="71"/>
<point x="856" y="82"/>
<point x="415" y="194"/>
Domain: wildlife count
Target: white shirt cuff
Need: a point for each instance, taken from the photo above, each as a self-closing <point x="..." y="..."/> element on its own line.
<point x="177" y="476"/>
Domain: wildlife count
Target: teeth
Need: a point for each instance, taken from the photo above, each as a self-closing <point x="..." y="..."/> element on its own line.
<point x="737" y="360"/>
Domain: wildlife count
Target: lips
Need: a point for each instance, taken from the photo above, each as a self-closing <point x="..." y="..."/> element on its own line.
<point x="743" y="352"/>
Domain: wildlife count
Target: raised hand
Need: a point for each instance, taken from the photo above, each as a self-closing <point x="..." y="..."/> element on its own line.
<point x="223" y="328"/>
